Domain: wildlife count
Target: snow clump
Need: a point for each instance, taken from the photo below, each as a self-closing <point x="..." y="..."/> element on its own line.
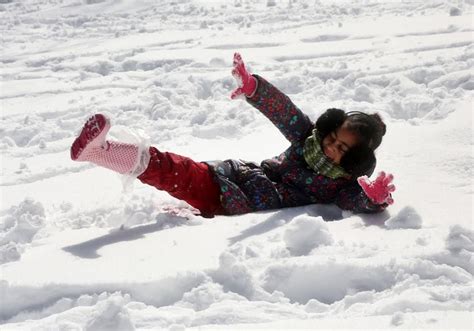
<point x="397" y="319"/>
<point x="407" y="218"/>
<point x="202" y="297"/>
<point x="455" y="11"/>
<point x="460" y="238"/>
<point x="18" y="227"/>
<point x="306" y="233"/>
<point x="111" y="314"/>
<point x="234" y="275"/>
<point x="9" y="252"/>
<point x="271" y="3"/>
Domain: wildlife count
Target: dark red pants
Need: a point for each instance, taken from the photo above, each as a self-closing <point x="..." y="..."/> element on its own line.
<point x="184" y="179"/>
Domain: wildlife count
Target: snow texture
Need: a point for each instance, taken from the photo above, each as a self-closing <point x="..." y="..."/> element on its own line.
<point x="306" y="233"/>
<point x="84" y="249"/>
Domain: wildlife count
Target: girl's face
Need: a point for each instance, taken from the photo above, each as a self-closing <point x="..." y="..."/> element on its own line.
<point x="338" y="142"/>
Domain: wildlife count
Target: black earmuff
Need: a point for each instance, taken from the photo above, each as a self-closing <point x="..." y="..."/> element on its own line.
<point x="373" y="128"/>
<point x="359" y="161"/>
<point x="330" y="121"/>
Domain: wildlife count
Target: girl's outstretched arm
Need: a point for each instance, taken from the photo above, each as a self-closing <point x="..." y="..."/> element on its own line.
<point x="271" y="102"/>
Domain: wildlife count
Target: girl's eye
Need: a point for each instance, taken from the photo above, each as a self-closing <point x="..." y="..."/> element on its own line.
<point x="342" y="149"/>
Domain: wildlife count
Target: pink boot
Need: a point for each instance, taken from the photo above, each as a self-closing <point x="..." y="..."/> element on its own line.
<point x="91" y="146"/>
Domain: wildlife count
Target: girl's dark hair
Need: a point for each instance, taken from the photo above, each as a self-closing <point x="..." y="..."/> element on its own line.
<point x="360" y="159"/>
<point x="369" y="128"/>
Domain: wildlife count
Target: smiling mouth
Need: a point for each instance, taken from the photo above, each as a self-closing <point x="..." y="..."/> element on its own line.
<point x="325" y="151"/>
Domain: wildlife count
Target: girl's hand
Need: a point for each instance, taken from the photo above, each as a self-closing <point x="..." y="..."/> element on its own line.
<point x="379" y="190"/>
<point x="247" y="83"/>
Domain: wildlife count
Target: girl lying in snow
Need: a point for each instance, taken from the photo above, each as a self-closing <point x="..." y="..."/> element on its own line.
<point x="328" y="161"/>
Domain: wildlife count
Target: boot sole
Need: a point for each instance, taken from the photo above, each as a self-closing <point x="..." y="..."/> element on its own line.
<point x="92" y="135"/>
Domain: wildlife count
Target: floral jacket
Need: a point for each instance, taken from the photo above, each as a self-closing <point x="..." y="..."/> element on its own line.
<point x="285" y="180"/>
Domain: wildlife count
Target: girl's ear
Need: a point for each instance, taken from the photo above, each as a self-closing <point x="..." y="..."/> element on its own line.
<point x="359" y="161"/>
<point x="329" y="121"/>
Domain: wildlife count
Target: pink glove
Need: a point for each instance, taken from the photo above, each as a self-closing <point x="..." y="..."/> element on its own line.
<point x="247" y="83"/>
<point x="379" y="190"/>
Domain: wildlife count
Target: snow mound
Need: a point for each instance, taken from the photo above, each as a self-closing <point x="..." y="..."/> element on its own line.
<point x="18" y="228"/>
<point x="397" y="319"/>
<point x="234" y="275"/>
<point x="326" y="281"/>
<point x="104" y="312"/>
<point x="459" y="239"/>
<point x="455" y="11"/>
<point x="10" y="252"/>
<point x="306" y="233"/>
<point x="407" y="218"/>
<point x="206" y="294"/>
<point x="362" y="93"/>
<point x="112" y="315"/>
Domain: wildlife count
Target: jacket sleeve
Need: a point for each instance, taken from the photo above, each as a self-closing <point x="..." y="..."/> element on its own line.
<point x="281" y="111"/>
<point x="353" y="198"/>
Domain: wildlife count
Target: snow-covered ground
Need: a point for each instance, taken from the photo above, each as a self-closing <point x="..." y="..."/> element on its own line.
<point x="83" y="250"/>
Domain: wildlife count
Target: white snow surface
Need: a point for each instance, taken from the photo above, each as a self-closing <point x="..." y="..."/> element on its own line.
<point x="81" y="251"/>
